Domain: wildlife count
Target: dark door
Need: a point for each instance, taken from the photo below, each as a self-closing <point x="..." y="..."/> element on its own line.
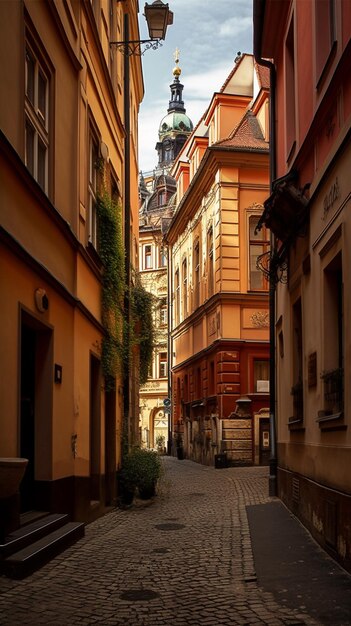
<point x="95" y="385"/>
<point x="264" y="441"/>
<point x="110" y="447"/>
<point x="27" y="418"/>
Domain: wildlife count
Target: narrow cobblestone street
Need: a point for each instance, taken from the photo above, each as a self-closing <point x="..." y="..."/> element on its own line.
<point x="184" y="558"/>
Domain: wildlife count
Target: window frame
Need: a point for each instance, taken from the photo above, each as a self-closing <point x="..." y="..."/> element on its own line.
<point x="196" y="272"/>
<point x="210" y="256"/>
<point x="261" y="241"/>
<point x="147" y="256"/>
<point x="185" y="288"/>
<point x="37" y="118"/>
<point x="162" y="364"/>
<point x="93" y="183"/>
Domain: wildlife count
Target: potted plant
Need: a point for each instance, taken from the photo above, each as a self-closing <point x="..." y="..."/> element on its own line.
<point x="160" y="443"/>
<point x="142" y="469"/>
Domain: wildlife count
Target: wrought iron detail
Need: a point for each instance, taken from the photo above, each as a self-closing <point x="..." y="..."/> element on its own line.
<point x="273" y="267"/>
<point x="130" y="48"/>
<point x="334" y="389"/>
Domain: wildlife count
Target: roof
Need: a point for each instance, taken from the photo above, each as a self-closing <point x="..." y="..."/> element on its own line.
<point x="263" y="75"/>
<point x="247" y="135"/>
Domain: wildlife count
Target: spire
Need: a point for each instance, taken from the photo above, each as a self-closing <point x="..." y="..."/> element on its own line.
<point x="176" y="103"/>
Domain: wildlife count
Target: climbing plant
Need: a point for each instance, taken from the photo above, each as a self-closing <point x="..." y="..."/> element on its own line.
<point x="142" y="310"/>
<point x="111" y="251"/>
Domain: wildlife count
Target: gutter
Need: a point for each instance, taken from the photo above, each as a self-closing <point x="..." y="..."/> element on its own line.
<point x="258" y="18"/>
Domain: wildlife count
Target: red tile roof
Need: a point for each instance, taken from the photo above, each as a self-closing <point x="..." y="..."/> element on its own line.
<point x="246" y="136"/>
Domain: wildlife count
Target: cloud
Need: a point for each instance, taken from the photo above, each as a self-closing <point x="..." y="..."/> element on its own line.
<point x="208" y="34"/>
<point x="235" y="26"/>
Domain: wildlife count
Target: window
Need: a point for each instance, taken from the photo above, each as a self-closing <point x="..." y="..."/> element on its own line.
<point x="37" y="118"/>
<point x="92" y="188"/>
<point x="177" y="297"/>
<point x="297" y="388"/>
<point x="210" y="274"/>
<point x="196" y="275"/>
<point x="333" y="371"/>
<point x="163" y="365"/>
<point x="185" y="288"/>
<point x="290" y="89"/>
<point x="162" y="256"/>
<point x="161" y="198"/>
<point x="258" y="244"/>
<point x="147" y="257"/>
<point x="186" y="388"/>
<point x="325" y="33"/>
<point x="198" y="382"/>
<point x="211" y="379"/>
<point x="163" y="314"/>
<point x="261" y="376"/>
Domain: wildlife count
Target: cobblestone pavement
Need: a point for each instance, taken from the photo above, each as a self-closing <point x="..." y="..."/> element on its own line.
<point x="183" y="558"/>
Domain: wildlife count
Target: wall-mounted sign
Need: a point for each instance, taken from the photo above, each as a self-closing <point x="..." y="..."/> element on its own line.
<point x="331" y="197"/>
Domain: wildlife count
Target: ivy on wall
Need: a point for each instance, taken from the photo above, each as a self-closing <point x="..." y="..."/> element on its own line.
<point x="111" y="251"/>
<point x="142" y="308"/>
<point x="121" y="335"/>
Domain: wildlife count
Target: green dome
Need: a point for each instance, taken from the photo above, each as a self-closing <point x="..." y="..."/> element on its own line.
<point x="175" y="123"/>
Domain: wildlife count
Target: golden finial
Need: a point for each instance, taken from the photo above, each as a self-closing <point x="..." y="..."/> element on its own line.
<point x="177" y="70"/>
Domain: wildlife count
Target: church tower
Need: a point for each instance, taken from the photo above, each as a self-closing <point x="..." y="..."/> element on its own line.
<point x="176" y="125"/>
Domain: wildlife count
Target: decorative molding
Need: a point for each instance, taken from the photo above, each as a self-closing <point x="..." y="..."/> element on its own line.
<point x="260" y="319"/>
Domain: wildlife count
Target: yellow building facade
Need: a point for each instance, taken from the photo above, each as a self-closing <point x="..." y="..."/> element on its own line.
<point x="219" y="304"/>
<point x="61" y="143"/>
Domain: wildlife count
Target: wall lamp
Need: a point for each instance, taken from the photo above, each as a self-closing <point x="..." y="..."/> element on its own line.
<point x="158" y="17"/>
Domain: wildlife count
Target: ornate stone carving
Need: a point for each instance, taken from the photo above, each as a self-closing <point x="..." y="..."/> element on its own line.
<point x="260" y="319"/>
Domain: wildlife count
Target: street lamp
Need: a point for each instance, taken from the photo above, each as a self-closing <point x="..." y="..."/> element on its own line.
<point x="158" y="17"/>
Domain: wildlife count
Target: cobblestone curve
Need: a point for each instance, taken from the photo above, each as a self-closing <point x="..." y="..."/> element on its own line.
<point x="181" y="559"/>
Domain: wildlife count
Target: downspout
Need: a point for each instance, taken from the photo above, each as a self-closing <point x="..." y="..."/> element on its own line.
<point x="126" y="441"/>
<point x="259" y="10"/>
<point x="170" y="349"/>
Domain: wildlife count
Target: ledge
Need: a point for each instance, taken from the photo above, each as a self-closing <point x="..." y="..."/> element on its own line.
<point x="295" y="424"/>
<point x="331" y="422"/>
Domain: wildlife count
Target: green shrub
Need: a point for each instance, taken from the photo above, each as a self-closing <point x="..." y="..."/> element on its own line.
<point x="142" y="469"/>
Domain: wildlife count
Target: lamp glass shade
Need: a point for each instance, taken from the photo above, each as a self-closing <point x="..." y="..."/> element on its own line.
<point x="158" y="17"/>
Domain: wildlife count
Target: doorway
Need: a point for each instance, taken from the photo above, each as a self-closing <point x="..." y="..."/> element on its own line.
<point x="35" y="419"/>
<point x="95" y="414"/>
<point x="27" y="418"/>
<point x="264" y="441"/>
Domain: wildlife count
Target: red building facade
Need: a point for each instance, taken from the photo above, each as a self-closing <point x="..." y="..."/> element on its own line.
<point x="309" y="47"/>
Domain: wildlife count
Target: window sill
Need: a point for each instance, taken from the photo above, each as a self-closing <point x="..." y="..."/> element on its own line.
<point x="295" y="424"/>
<point x="331" y="422"/>
<point x="93" y="253"/>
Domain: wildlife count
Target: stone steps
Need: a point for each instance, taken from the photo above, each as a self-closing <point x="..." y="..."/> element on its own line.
<point x="34" y="544"/>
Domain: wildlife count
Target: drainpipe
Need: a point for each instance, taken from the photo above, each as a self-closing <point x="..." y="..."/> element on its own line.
<point x="127" y="434"/>
<point x="259" y="10"/>
<point x="170" y="348"/>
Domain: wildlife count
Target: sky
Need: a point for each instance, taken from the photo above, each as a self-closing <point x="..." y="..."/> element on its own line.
<point x="208" y="33"/>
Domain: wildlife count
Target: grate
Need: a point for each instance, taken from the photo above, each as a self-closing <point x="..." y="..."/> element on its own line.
<point x="139" y="595"/>
<point x="295" y="490"/>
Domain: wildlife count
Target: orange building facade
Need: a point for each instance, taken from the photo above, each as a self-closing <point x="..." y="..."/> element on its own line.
<point x="309" y="213"/>
<point x="61" y="142"/>
<point x="219" y="305"/>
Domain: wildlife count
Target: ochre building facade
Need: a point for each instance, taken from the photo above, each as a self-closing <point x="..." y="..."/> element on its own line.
<point x="61" y="141"/>
<point x="219" y="307"/>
